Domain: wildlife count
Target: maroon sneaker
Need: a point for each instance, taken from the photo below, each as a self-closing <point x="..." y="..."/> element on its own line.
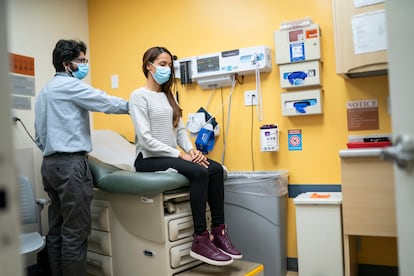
<point x="221" y="240"/>
<point x="204" y="250"/>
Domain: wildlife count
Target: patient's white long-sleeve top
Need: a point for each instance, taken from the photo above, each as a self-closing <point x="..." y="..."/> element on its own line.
<point x="155" y="134"/>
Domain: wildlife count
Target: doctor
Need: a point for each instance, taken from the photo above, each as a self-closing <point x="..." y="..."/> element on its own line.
<point x="62" y="132"/>
<point x="159" y="132"/>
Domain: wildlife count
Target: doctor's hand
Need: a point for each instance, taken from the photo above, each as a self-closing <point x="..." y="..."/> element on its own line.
<point x="199" y="158"/>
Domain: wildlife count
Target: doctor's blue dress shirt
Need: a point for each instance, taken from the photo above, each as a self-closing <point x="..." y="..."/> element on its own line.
<point x="62" y="114"/>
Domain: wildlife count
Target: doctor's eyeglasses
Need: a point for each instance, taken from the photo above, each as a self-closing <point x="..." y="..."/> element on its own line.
<point x="81" y="60"/>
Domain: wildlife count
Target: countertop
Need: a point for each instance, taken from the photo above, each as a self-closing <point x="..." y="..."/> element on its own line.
<point x="362" y="152"/>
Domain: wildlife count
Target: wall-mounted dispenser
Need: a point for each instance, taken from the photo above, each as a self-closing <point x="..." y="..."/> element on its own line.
<point x="297" y="43"/>
<point x="298" y="53"/>
<point x="300" y="74"/>
<point x="269" y="138"/>
<point x="302" y="102"/>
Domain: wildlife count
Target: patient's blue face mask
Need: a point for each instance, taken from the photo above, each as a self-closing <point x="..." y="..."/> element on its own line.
<point x="83" y="70"/>
<point x="162" y="74"/>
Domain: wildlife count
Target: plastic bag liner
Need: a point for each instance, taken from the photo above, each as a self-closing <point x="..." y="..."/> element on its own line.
<point x="261" y="183"/>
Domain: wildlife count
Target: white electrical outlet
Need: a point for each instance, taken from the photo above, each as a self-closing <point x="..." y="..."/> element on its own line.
<point x="250" y="97"/>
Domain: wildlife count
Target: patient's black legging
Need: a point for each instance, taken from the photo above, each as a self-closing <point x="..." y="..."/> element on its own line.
<point x="205" y="185"/>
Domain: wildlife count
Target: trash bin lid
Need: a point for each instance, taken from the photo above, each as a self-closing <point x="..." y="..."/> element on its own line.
<point x="261" y="183"/>
<point x="240" y="175"/>
<point x="319" y="198"/>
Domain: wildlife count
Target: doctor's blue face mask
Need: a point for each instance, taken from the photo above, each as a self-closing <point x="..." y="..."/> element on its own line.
<point x="162" y="74"/>
<point x="82" y="72"/>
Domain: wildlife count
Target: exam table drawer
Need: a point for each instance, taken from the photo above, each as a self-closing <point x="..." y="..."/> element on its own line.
<point x="183" y="227"/>
<point x="180" y="255"/>
<point x="100" y="242"/>
<point x="100" y="216"/>
<point x="180" y="228"/>
<point x="99" y="265"/>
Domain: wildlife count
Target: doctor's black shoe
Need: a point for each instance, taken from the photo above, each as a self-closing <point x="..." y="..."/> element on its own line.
<point x="222" y="241"/>
<point x="204" y="250"/>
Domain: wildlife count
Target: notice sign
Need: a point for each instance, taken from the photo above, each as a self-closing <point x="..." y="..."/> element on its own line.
<point x="362" y="114"/>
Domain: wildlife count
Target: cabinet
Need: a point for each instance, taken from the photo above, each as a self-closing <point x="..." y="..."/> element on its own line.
<point x="368" y="201"/>
<point x="99" y="259"/>
<point x="140" y="235"/>
<point x="349" y="64"/>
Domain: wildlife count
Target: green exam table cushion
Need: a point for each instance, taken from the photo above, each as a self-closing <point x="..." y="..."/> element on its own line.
<point x="114" y="180"/>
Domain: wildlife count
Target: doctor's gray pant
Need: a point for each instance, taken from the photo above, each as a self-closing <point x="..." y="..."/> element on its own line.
<point x="68" y="181"/>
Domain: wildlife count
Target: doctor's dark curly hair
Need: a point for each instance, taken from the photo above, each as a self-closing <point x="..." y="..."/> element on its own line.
<point x="66" y="51"/>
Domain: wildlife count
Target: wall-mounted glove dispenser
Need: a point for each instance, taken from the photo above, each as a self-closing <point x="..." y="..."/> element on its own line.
<point x="301" y="103"/>
<point x="293" y="75"/>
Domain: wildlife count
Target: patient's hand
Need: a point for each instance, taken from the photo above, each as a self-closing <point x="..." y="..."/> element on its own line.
<point x="199" y="158"/>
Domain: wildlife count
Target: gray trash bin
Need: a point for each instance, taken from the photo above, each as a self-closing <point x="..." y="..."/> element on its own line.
<point x="255" y="210"/>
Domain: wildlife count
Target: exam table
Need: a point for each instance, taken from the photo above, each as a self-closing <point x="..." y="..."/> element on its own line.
<point x="141" y="221"/>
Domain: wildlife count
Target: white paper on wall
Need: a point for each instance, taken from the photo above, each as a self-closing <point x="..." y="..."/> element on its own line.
<point x="369" y="32"/>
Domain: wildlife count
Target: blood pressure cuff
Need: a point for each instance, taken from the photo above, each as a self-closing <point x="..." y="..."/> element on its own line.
<point x="205" y="140"/>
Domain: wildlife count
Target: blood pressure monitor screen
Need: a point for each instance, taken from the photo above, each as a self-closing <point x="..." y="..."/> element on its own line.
<point x="210" y="64"/>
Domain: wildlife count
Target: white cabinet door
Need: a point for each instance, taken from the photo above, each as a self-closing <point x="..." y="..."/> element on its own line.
<point x="400" y="21"/>
<point x="10" y="259"/>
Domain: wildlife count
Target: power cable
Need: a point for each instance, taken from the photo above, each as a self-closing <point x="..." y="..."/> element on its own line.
<point x="16" y="119"/>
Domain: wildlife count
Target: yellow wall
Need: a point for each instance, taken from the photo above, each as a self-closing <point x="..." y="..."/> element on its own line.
<point x="120" y="32"/>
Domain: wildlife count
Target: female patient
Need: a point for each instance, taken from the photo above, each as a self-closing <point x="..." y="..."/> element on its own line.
<point x="159" y="132"/>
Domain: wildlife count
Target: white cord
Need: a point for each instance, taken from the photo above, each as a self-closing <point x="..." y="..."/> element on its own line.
<point x="228" y="119"/>
<point x="222" y="105"/>
<point x="228" y="116"/>
<point x="210" y="98"/>
<point x="259" y="107"/>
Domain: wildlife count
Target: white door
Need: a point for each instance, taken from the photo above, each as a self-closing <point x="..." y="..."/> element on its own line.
<point x="10" y="259"/>
<point x="400" y="21"/>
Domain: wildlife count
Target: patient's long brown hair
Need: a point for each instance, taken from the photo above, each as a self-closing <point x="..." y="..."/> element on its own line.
<point x="150" y="55"/>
